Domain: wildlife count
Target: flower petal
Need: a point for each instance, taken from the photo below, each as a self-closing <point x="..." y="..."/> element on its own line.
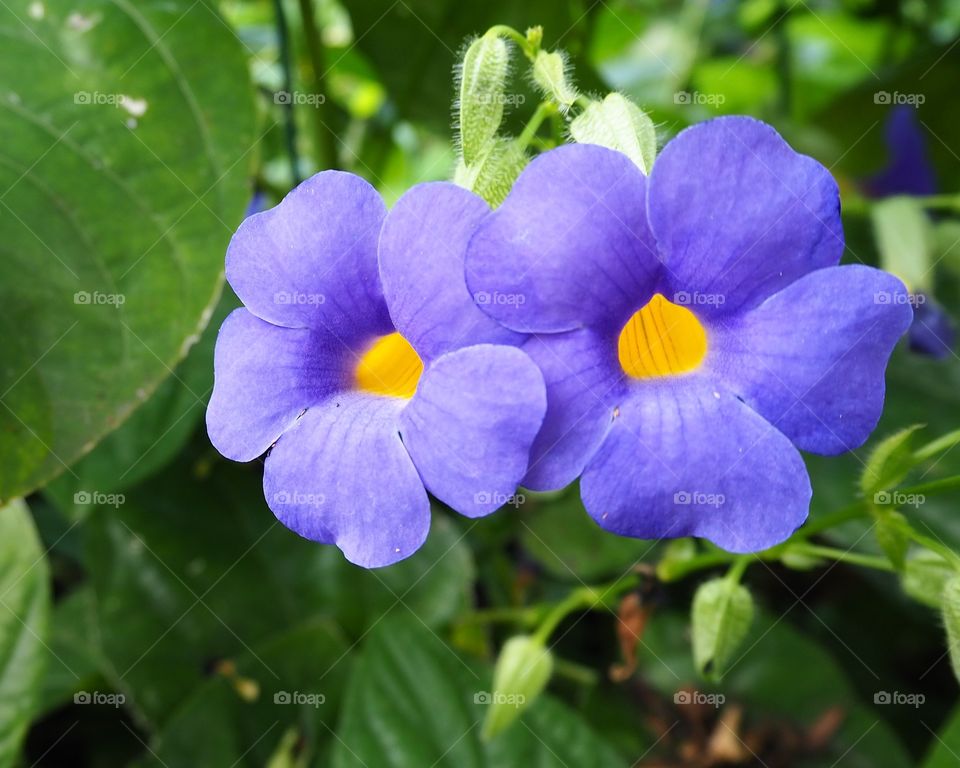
<point x="584" y="384"/>
<point x="569" y="247"/>
<point x="470" y="425"/>
<point x="811" y="358"/>
<point x="422" y="249"/>
<point x="686" y="459"/>
<point x="264" y="377"/>
<point x="342" y="476"/>
<point x="738" y="215"/>
<point x="312" y="260"/>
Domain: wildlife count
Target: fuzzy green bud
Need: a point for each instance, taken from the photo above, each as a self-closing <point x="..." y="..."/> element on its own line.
<point x="483" y="78"/>
<point x="617" y="123"/>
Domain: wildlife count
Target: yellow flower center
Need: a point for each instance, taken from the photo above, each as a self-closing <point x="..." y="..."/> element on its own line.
<point x="390" y="367"/>
<point x="661" y="339"/>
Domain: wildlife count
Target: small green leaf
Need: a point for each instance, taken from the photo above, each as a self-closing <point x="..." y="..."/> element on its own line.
<point x="522" y="671"/>
<point x="482" y="81"/>
<point x="893" y="536"/>
<point x="924" y="577"/>
<point x="902" y="230"/>
<point x="550" y="73"/>
<point x="617" y="123"/>
<point x="950" y="610"/>
<point x="24" y="616"/>
<point x="721" y="615"/>
<point x="889" y="462"/>
<point x="492" y="176"/>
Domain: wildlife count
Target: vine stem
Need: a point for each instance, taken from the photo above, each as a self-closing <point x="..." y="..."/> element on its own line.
<point x="326" y="147"/>
<point x="289" y="124"/>
<point x="544" y="110"/>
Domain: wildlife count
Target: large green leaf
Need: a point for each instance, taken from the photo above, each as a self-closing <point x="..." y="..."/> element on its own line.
<point x="24" y="613"/>
<point x="193" y="566"/>
<point x="128" y="133"/>
<point x="294" y="680"/>
<point x="413" y="702"/>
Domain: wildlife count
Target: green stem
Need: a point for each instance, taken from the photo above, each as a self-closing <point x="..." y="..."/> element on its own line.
<point x="504" y="30"/>
<point x="843" y="556"/>
<point x="545" y="110"/>
<point x="935" y="546"/>
<point x="326" y="147"/>
<point x="738" y="567"/>
<point x="850" y="512"/>
<point x="289" y="124"/>
<point x="933" y="487"/>
<point x="587" y="598"/>
<point x="940" y="201"/>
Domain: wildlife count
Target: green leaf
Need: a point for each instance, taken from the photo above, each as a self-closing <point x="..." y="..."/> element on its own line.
<point x="721" y="616"/>
<point x="412" y="701"/>
<point x="950" y="611"/>
<point x="550" y="73"/>
<point x="889" y="463"/>
<point x="522" y="671"/>
<point x="902" y="230"/>
<point x="238" y="718"/>
<point x="193" y="566"/>
<point x="24" y="616"/>
<point x="125" y="158"/>
<point x="483" y="78"/>
<point x="925" y="575"/>
<point x="617" y="123"/>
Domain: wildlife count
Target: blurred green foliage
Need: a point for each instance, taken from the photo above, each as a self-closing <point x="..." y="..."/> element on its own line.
<point x="153" y="612"/>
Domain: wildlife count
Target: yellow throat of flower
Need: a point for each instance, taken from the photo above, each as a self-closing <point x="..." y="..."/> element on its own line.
<point x="390" y="367"/>
<point x="661" y="339"/>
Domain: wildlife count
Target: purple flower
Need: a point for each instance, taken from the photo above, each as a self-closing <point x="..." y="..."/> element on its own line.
<point x="693" y="328"/>
<point x="908" y="170"/>
<point x="361" y="354"/>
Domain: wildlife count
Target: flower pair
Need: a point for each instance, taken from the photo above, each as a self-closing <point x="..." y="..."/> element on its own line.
<point x="689" y="331"/>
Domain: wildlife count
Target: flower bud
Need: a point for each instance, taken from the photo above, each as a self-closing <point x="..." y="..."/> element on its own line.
<point x="550" y="75"/>
<point x="522" y="672"/>
<point x="721" y="616"/>
<point x="617" y="123"/>
<point x="483" y="77"/>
